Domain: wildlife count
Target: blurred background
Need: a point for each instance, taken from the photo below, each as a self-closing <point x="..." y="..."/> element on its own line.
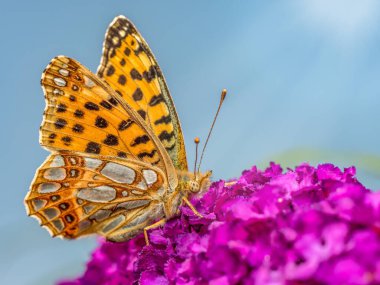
<point x="302" y="76"/>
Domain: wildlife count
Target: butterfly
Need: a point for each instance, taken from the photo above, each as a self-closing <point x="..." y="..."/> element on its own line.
<point x="118" y="163"/>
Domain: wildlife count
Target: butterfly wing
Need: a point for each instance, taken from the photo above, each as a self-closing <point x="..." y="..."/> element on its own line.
<point x="84" y="114"/>
<point x="130" y="68"/>
<point x="79" y="194"/>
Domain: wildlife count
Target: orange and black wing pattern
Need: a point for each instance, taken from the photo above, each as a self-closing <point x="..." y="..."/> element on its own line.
<point x="76" y="194"/>
<point x="84" y="114"/>
<point x="130" y="68"/>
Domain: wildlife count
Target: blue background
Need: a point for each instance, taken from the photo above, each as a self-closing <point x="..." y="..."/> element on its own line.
<point x="303" y="81"/>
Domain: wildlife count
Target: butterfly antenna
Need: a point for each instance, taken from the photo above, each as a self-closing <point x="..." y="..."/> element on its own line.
<point x="196" y="141"/>
<point x="222" y="97"/>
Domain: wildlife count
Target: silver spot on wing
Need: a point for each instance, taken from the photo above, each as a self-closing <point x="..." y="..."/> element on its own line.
<point x="97" y="194"/>
<point x="129" y="205"/>
<point x="142" y="185"/>
<point x="58" y="224"/>
<point x="161" y="191"/>
<point x="58" y="92"/>
<point x="55" y="174"/>
<point x="113" y="224"/>
<point x="64" y="72"/>
<point x="119" y="173"/>
<point x="57" y="161"/>
<point x="51" y="213"/>
<point x="136" y="192"/>
<point x="100" y="215"/>
<point x="150" y="176"/>
<point x="88" y="208"/>
<point x="92" y="163"/>
<point x="88" y="82"/>
<point x="84" y="225"/>
<point x="60" y="81"/>
<point x="38" y="204"/>
<point x="73" y="161"/>
<point x="48" y="187"/>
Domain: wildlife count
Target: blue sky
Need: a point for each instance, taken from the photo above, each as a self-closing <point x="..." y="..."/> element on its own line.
<point x="302" y="79"/>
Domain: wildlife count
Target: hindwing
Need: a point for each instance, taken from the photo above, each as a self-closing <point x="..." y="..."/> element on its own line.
<point x="76" y="194"/>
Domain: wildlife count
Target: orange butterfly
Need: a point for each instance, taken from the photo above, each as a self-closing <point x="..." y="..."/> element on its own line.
<point x="118" y="162"/>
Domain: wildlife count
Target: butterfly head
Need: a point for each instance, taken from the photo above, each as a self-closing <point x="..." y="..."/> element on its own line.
<point x="197" y="183"/>
<point x="200" y="182"/>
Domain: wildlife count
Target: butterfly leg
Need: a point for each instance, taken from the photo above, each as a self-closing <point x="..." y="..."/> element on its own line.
<point x="155" y="225"/>
<point x="188" y="203"/>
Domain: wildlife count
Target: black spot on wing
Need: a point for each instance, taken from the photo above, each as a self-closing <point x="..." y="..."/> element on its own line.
<point x="77" y="128"/>
<point x="164" y="135"/>
<point x="121" y="154"/>
<point x="135" y="74"/>
<point x="142" y="113"/>
<point x="157" y="99"/>
<point x="113" y="101"/>
<point x="61" y="108"/>
<point x="91" y="106"/>
<point x="163" y="120"/>
<point x="127" y="51"/>
<point x="60" y="123"/>
<point x="111" y="140"/>
<point x="122" y="80"/>
<point x="93" y="147"/>
<point x="119" y="92"/>
<point x="106" y="105"/>
<point x="170" y="148"/>
<point x="110" y="70"/>
<point x="125" y="124"/>
<point x="100" y="122"/>
<point x="112" y="54"/>
<point x="78" y="114"/>
<point x="66" y="140"/>
<point x="141" y="155"/>
<point x="150" y="75"/>
<point x="137" y="95"/>
<point x="140" y="140"/>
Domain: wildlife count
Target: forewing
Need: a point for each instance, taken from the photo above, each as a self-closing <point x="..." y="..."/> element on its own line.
<point x="78" y="194"/>
<point x="130" y="68"/>
<point x="84" y="114"/>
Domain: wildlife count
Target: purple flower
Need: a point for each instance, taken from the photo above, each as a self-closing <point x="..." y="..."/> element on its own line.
<point x="305" y="226"/>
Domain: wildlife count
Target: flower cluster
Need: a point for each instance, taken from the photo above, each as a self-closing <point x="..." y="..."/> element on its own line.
<point x="305" y="226"/>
